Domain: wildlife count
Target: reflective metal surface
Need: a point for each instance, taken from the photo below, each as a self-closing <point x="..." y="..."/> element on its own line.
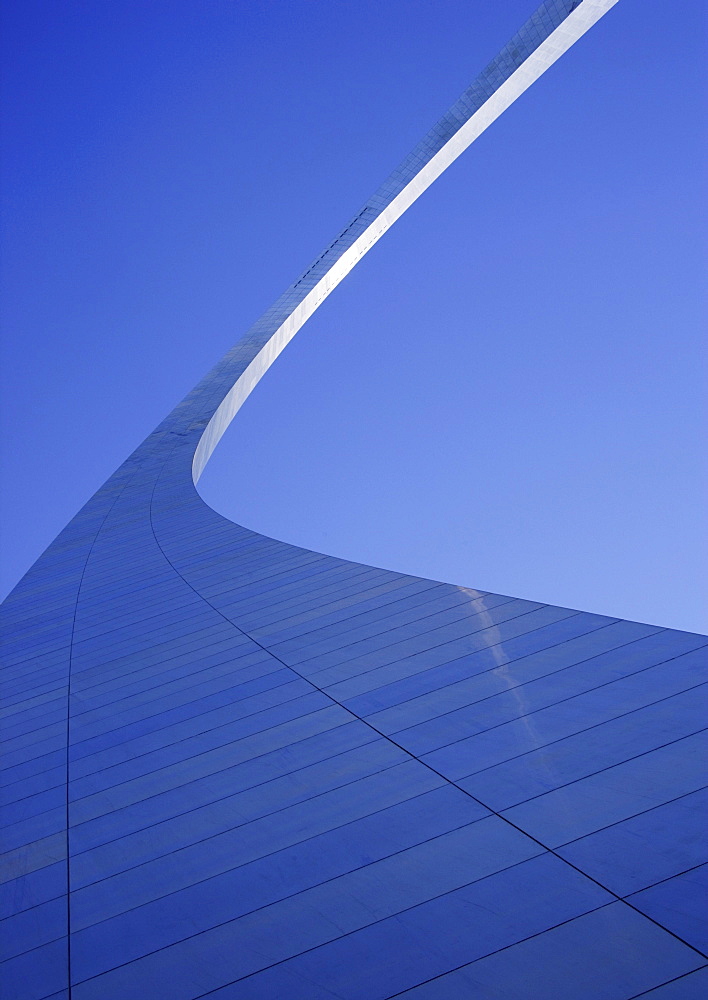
<point x="236" y="768"/>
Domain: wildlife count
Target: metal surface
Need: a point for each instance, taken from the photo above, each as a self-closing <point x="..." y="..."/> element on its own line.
<point x="237" y="768"/>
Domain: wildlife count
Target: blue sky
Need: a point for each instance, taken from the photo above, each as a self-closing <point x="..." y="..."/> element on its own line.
<point x="505" y="393"/>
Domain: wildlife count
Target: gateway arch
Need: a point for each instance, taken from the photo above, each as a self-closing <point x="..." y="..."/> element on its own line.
<point x="236" y="768"/>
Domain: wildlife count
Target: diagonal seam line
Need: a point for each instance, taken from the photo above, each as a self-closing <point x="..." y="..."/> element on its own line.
<point x="425" y="763"/>
<point x="496" y="951"/>
<point x="346" y="934"/>
<point x="588" y="729"/>
<point x="512" y="662"/>
<point x="187" y="675"/>
<point x="426" y="649"/>
<point x="281" y="899"/>
<point x="221" y="798"/>
<point x="141" y="720"/>
<point x="214" y="729"/>
<point x="269" y="854"/>
<point x="438" y="646"/>
<point x="642" y="812"/>
<point x="507" y="663"/>
<point x="668" y="878"/>
<point x="507" y="947"/>
<point x="676" y="979"/>
<point x="218" y="746"/>
<point x="561" y="701"/>
<point x="459" y="607"/>
<point x="293" y="606"/>
<point x="295" y="771"/>
<point x="260" y="646"/>
<point x="358" y="614"/>
<point x="147" y="798"/>
<point x="218" y="640"/>
<point x="609" y="767"/>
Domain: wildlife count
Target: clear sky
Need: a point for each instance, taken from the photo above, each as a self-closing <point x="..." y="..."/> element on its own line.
<point x="504" y="394"/>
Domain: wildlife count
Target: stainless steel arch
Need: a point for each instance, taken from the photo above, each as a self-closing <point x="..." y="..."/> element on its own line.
<point x="543" y="39"/>
<point x="237" y="768"/>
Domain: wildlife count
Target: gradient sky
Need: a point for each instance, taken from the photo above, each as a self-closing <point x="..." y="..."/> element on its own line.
<point x="505" y="393"/>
